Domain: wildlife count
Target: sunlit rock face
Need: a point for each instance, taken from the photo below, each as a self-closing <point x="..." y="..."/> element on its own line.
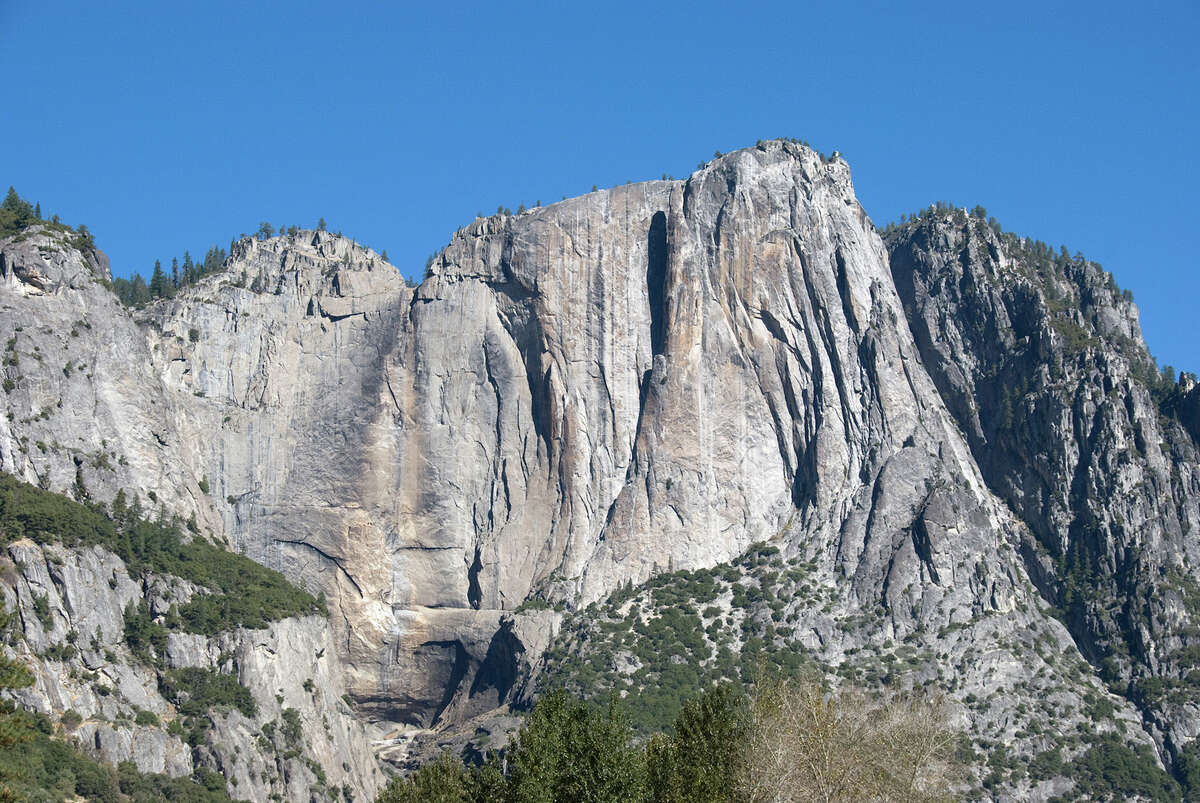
<point x="644" y="379"/>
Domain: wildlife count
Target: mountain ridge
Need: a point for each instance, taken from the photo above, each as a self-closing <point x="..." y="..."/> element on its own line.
<point x="643" y="381"/>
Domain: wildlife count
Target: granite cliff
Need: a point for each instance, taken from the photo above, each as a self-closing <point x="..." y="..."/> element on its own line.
<point x="964" y="466"/>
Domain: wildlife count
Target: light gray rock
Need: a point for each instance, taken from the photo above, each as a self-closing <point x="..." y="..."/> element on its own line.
<point x="149" y="748"/>
<point x="640" y="380"/>
<point x="85" y="413"/>
<point x="292" y="665"/>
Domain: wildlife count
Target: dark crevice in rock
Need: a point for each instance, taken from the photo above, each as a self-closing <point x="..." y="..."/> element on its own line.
<point x="500" y="666"/>
<point x="656" y="280"/>
<point x="541" y="401"/>
<point x="458" y="672"/>
<point x="773" y="326"/>
<point x="643" y="397"/>
<point x="923" y="546"/>
<point x="516" y="307"/>
<point x="332" y="317"/>
<point x="474" y="593"/>
<point x="843" y="286"/>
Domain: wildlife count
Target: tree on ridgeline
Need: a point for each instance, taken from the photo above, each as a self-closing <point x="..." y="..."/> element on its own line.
<point x="160" y="287"/>
<point x="16" y="214"/>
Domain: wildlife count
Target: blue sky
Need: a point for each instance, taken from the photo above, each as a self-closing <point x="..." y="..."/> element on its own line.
<point x="172" y="126"/>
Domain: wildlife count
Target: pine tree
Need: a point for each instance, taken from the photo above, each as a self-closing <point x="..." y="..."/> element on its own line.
<point x="321" y="224"/>
<point x="175" y="271"/>
<point x="15" y="214"/>
<point x="12" y="201"/>
<point x="696" y="760"/>
<point x="568" y="750"/>
<point x="212" y="260"/>
<point x="158" y="282"/>
<point x="139" y="292"/>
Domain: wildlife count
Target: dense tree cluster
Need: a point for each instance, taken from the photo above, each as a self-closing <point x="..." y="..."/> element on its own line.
<point x="136" y="291"/>
<point x="681" y="642"/>
<point x="17" y="214"/>
<point x="788" y="741"/>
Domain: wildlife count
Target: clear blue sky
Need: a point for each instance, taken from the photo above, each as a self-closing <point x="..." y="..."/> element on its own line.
<point x="169" y="126"/>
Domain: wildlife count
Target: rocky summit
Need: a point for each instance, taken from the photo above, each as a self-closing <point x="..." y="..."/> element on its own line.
<point x="638" y="441"/>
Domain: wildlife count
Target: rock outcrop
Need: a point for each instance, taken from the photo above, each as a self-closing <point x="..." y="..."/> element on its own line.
<point x="956" y="442"/>
<point x="70" y="606"/>
<point x="1040" y="357"/>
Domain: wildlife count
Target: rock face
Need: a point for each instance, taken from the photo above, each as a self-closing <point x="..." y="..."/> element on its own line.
<point x="1041" y="359"/>
<point x="83" y="412"/>
<point x="82" y="666"/>
<point x="92" y="409"/>
<point x="646" y="380"/>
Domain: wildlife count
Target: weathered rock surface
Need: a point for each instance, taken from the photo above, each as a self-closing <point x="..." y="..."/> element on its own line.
<point x="81" y="664"/>
<point x="651" y="379"/>
<point x="88" y="413"/>
<point x="1041" y="358"/>
<point x="83" y="413"/>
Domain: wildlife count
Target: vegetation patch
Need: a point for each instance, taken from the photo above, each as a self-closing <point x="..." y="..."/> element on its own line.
<point x="196" y="691"/>
<point x="242" y="593"/>
<point x="37" y="765"/>
<point x="656" y="644"/>
<point x="1111" y="770"/>
<point x="783" y="741"/>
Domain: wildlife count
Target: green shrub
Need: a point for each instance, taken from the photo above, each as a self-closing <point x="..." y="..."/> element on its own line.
<point x="205" y="787"/>
<point x="145" y="717"/>
<point x="446" y="780"/>
<point x="194" y="691"/>
<point x="145" y="638"/>
<point x="41" y="608"/>
<point x="291" y="729"/>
